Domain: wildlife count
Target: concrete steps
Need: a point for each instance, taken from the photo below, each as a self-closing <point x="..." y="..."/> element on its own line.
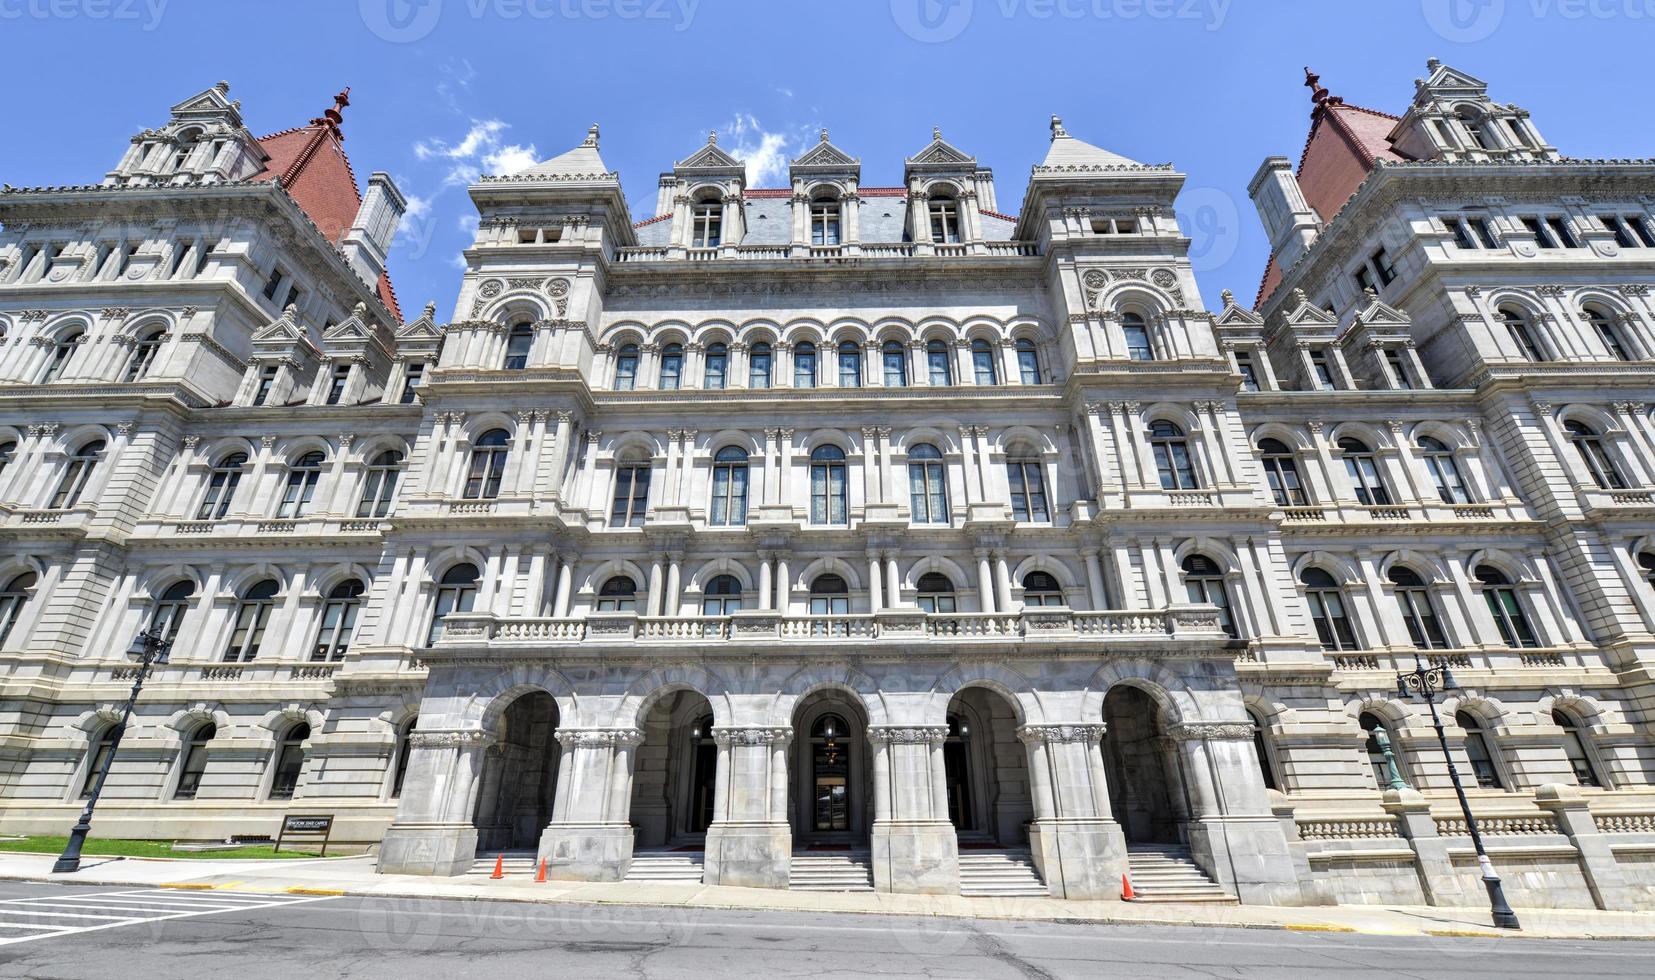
<point x="666" y="867"/>
<point x="830" y="871"/>
<point x="1166" y="873"/>
<point x="1006" y="873"/>
<point x="517" y="864"/>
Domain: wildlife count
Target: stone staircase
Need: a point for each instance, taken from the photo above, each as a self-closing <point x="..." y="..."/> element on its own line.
<point x="666" y="867"/>
<point x="1166" y="873"/>
<point x="517" y="864"/>
<point x="1000" y="874"/>
<point x="830" y="871"/>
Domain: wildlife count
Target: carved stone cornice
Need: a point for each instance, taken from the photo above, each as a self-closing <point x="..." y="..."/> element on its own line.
<point x="1088" y="734"/>
<point x="1205" y="731"/>
<point x="752" y="736"/>
<point x="470" y="738"/>
<point x="907" y="734"/>
<point x="597" y="738"/>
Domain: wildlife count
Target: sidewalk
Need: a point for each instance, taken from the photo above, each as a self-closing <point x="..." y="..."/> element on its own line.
<point x="355" y="876"/>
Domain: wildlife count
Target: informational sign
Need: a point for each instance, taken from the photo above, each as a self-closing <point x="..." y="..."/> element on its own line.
<point x="306" y="825"/>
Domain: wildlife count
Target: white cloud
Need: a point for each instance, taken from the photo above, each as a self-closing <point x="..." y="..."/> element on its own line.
<point x="478" y="152"/>
<point x="510" y="159"/>
<point x="766" y="153"/>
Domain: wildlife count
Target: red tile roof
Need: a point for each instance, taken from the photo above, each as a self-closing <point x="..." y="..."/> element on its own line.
<point x="311" y="163"/>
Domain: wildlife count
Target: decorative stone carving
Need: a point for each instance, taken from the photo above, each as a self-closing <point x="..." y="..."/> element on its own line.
<point x="1030" y="734"/>
<point x="1192" y="731"/>
<point x="594" y="738"/>
<point x="468" y="738"/>
<point x="752" y="736"/>
<point x="912" y="735"/>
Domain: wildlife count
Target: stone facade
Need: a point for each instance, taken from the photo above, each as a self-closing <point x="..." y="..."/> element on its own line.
<point x="847" y="517"/>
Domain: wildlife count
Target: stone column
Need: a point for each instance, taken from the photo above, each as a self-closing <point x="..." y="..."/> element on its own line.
<point x="749" y="843"/>
<point x="876" y="584"/>
<point x="433" y="833"/>
<point x="1076" y="843"/>
<point x="590" y="836"/>
<point x="1233" y="835"/>
<point x="893" y="582"/>
<point x="913" y="843"/>
<point x="1094" y="579"/>
<point x="985" y="581"/>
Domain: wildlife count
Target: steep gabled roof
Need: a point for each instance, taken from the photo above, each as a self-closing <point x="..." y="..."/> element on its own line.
<point x="582" y="161"/>
<point x="1069" y="153"/>
<point x="311" y="163"/>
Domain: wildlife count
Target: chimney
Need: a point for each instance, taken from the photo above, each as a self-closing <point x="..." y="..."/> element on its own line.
<point x="1288" y="218"/>
<point x="368" y="242"/>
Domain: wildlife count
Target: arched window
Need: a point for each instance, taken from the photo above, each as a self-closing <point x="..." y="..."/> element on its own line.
<point x="1027" y="479"/>
<point x="828" y="500"/>
<point x="380" y="486"/>
<point x="1261" y="748"/>
<point x="939" y="364"/>
<point x="1595" y="455"/>
<point x="1363" y="469"/>
<point x="405" y="744"/>
<point x="1172" y="457"/>
<point x="251" y="617"/>
<point x="758" y="365"/>
<point x="1419" y="612"/>
<point x="143" y="355"/>
<point x="626" y="367"/>
<point x="289" y="762"/>
<point x="222" y="481"/>
<point x="630" y="504"/>
<point x="183" y="148"/>
<point x="77" y="474"/>
<point x="194" y="763"/>
<point x="804" y="364"/>
<point x="1607" y="332"/>
<point x="1522" y="334"/>
<point x="850" y="364"/>
<point x="488" y="465"/>
<point x="927" y="485"/>
<point x="1477" y="126"/>
<point x="729" y="505"/>
<point x="717" y="366"/>
<point x="1478" y="751"/>
<point x="1379" y="739"/>
<point x="935" y="593"/>
<point x="1028" y="362"/>
<point x="518" y="343"/>
<point x="707" y="225"/>
<point x="618" y="594"/>
<point x="1580" y="758"/>
<point x="1444" y="470"/>
<point x="169" y="610"/>
<point x="333" y="636"/>
<point x="829" y="596"/>
<point x="721" y="597"/>
<point x="101" y="751"/>
<point x="1136" y="332"/>
<point x="12" y="600"/>
<point x="456" y="592"/>
<point x="1041" y="589"/>
<point x="983" y="369"/>
<point x="672" y="367"/>
<point x="895" y="359"/>
<point x="1505" y="607"/>
<point x="1281" y="472"/>
<point x="1327" y="610"/>
<point x="945" y="221"/>
<point x="824" y="222"/>
<point x="302" y="477"/>
<point x="1204" y="583"/>
<point x="62" y="352"/>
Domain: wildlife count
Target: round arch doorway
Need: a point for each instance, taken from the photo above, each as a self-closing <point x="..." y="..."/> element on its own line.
<point x="986" y="771"/>
<point x="514" y="798"/>
<point x="831" y="792"/>
<point x="1146" y="790"/>
<point x="675" y="774"/>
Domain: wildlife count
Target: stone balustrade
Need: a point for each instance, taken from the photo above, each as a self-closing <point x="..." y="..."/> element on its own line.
<point x="876" y="250"/>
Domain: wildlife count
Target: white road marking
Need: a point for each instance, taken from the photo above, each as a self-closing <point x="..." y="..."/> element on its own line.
<point x="151" y="905"/>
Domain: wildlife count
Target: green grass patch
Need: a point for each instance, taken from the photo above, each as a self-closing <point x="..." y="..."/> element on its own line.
<point x="146" y="848"/>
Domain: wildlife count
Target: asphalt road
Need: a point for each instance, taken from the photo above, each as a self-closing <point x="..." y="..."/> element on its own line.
<point x="51" y="932"/>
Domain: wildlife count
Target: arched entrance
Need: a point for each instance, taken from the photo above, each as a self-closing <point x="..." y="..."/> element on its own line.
<point x="1145" y="792"/>
<point x="675" y="772"/>
<point x="514" y="799"/>
<point x="987" y="770"/>
<point x="831" y="771"/>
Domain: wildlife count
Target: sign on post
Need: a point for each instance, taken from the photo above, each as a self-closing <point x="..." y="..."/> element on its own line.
<point x="306" y="825"/>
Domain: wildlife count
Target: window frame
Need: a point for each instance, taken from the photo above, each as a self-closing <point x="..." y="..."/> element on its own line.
<point x="299" y="485"/>
<point x="486" y="465"/>
<point x="629" y="497"/>
<point x="1174" y="459"/>
<point x="928" y="497"/>
<point x="336" y="624"/>
<point x="829" y="486"/>
<point x="250" y="621"/>
<point x="730" y="484"/>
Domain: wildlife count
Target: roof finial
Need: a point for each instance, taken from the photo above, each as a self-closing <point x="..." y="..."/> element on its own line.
<point x="591" y="137"/>
<point x="1313" y="81"/>
<point x="1228" y="297"/>
<point x="1432" y="64"/>
<point x="334" y="116"/>
<point x="1057" y="127"/>
<point x="824" y="134"/>
<point x="712" y="137"/>
<point x="430" y="311"/>
<point x="936" y="134"/>
<point x="223" y="88"/>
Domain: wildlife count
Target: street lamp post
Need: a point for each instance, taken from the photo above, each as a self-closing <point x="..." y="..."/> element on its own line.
<point x="150" y="650"/>
<point x="1425" y="682"/>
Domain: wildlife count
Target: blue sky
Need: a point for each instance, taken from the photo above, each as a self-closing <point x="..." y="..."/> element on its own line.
<point x="441" y="89"/>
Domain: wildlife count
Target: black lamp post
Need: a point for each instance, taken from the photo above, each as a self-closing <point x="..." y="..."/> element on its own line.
<point x="1425" y="682"/>
<point x="149" y="650"/>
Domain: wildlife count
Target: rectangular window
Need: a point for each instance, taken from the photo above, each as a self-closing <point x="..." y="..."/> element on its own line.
<point x="413" y="374"/>
<point x="1382" y="265"/>
<point x="127" y="255"/>
<point x="203" y="253"/>
<point x="1399" y="371"/>
<point x="1364" y="279"/>
<point x="1462" y="234"/>
<point x="1324" y="374"/>
<point x="267" y="380"/>
<point x="273" y="283"/>
<point x="1542" y="237"/>
<point x="1249" y="374"/>
<point x="1640" y="227"/>
<point x="1565" y="234"/>
<point x="294" y="294"/>
<point x="1623" y="236"/>
<point x="1485" y="235"/>
<point x="336" y="384"/>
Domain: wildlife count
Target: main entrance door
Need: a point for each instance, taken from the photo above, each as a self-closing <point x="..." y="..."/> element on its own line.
<point x="830" y="771"/>
<point x="830" y="775"/>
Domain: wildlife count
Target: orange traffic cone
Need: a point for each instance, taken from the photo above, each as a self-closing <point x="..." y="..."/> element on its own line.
<point x="499" y="867"/>
<point x="541" y="874"/>
<point x="1127" y="894"/>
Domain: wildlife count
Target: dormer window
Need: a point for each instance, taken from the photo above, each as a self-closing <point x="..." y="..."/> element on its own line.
<point x="1477" y="126"/>
<point x="945" y="221"/>
<point x="707" y="225"/>
<point x="1397" y="369"/>
<point x="273" y="283"/>
<point x="824" y="223"/>
<point x="267" y="381"/>
<point x="186" y="146"/>
<point x="413" y="375"/>
<point x="1249" y="372"/>
<point x="1323" y="374"/>
<point x="336" y="384"/>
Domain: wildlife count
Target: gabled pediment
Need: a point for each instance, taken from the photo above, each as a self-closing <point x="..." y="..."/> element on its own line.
<point x="283" y="336"/>
<point x="422" y="336"/>
<point x="710" y="159"/>
<point x="1304" y="313"/>
<point x="1234" y="315"/>
<point x="824" y="156"/>
<point x="1380" y="314"/>
<point x="214" y="103"/>
<point x="1444" y="82"/>
<point x="940" y="153"/>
